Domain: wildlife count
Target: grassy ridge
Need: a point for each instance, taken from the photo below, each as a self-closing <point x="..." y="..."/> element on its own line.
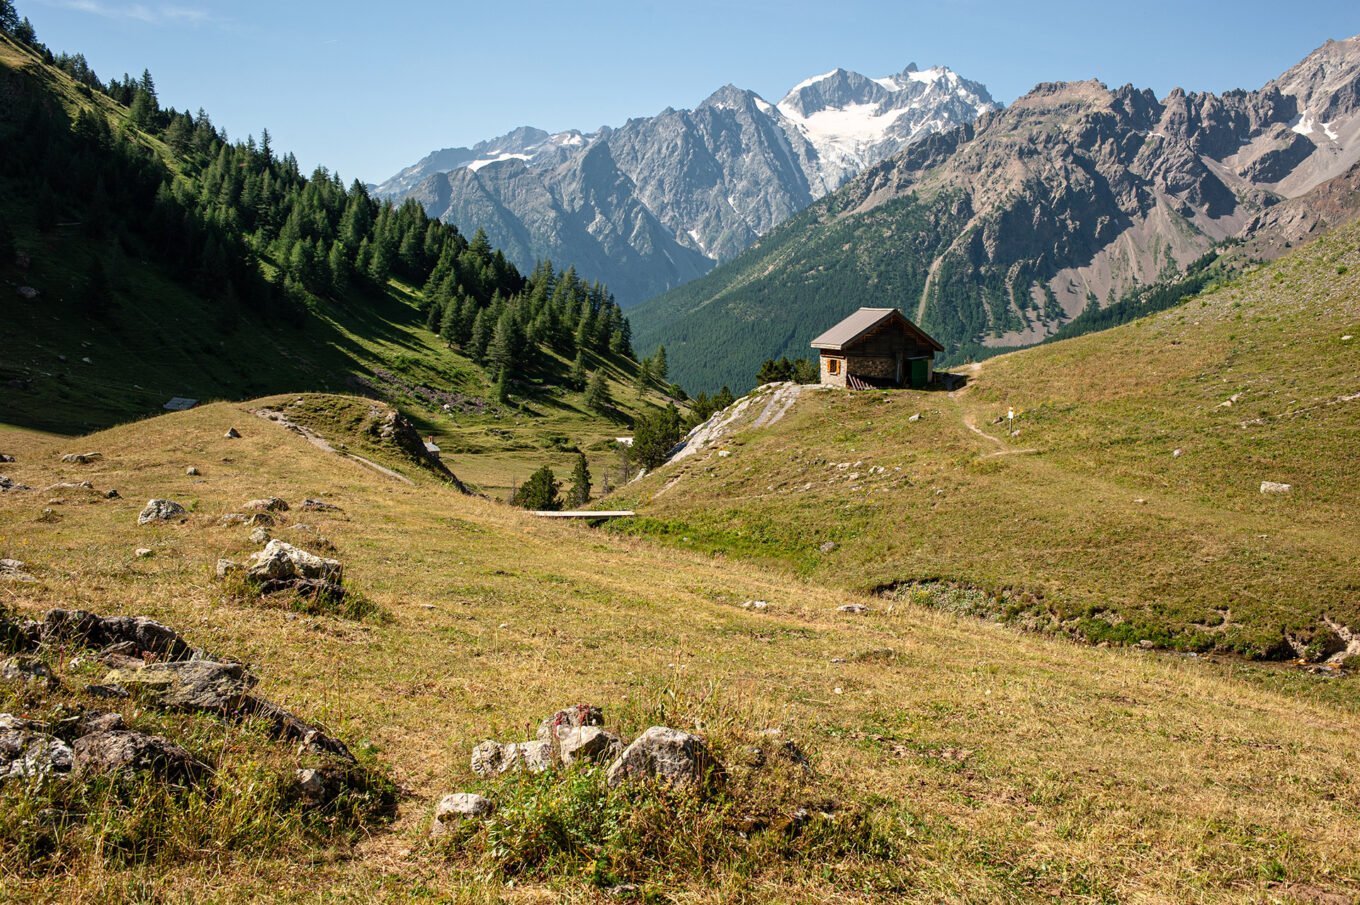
<point x="1013" y="768"/>
<point x="1088" y="513"/>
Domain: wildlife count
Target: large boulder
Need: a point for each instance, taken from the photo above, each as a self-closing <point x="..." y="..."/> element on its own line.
<point x="454" y="809"/>
<point x="280" y="566"/>
<point x="669" y="756"/>
<point x="200" y="685"/>
<point x="492" y="758"/>
<point x="160" y="511"/>
<point x="127" y="751"/>
<point x="27" y="750"/>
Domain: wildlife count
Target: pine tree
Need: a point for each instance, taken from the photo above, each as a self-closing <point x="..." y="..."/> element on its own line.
<point x="539" y="492"/>
<point x="597" y="393"/>
<point x="481" y="336"/>
<point x="507" y="343"/>
<point x="580" y="483"/>
<point x="501" y="389"/>
<point x="577" y="378"/>
<point x="659" y="366"/>
<point x="9" y="17"/>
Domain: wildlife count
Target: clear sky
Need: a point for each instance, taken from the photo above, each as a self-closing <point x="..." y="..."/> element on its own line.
<point x="366" y="88"/>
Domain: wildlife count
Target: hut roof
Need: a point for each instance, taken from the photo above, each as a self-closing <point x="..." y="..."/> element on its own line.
<point x="850" y="330"/>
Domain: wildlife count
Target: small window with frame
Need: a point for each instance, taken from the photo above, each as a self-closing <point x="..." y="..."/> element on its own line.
<point x="833" y="366"/>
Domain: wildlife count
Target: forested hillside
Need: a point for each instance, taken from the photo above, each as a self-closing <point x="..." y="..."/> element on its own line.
<point x="148" y="255"/>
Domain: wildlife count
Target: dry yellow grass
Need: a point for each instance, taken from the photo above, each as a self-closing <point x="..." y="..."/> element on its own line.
<point x="1034" y="768"/>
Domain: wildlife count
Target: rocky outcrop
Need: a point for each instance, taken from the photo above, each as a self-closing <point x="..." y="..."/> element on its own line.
<point x="491" y="758"/>
<point x="126" y="751"/>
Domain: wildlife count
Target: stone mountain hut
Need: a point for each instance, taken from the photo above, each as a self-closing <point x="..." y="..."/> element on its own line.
<point x="876" y="347"/>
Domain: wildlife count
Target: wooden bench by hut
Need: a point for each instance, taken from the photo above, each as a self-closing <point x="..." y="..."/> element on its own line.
<point x="877" y="347"/>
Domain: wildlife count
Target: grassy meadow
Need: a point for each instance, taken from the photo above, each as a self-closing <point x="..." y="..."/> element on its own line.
<point x="998" y="766"/>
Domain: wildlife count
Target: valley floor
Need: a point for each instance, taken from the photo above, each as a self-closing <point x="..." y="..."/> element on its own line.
<point x="1015" y="767"/>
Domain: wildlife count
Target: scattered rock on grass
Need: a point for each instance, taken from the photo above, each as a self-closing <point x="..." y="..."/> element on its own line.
<point x="227" y="567"/>
<point x="259" y="536"/>
<point x="143" y="552"/>
<point x="856" y="608"/>
<point x="758" y="605"/>
<point x="127" y="751"/>
<point x="319" y="506"/>
<point x="232" y="434"/>
<point x="81" y="458"/>
<point x="666" y="755"/>
<point x="27" y="750"/>
<point x="1275" y="487"/>
<point x="454" y="809"/>
<point x="281" y="566"/>
<point x="828" y="546"/>
<point x="563" y="721"/>
<point x="589" y="743"/>
<point x="161" y="511"/>
<point x="492" y="758"/>
<point x="268" y="504"/>
<point x="29" y="670"/>
<point x="191" y="471"/>
<point x="14" y="570"/>
<point x="200" y="685"/>
<point x="9" y="485"/>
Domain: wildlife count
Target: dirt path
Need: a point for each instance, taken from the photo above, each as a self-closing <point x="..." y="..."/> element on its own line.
<point x="320" y="442"/>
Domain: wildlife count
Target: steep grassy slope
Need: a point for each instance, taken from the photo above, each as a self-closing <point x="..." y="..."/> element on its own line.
<point x="1127" y="507"/>
<point x="1002" y="766"/>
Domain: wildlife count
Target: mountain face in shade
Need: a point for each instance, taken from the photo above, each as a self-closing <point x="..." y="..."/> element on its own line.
<point x="997" y="233"/>
<point x="658" y="201"/>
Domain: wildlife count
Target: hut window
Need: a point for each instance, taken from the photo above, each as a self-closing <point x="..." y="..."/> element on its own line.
<point x="833" y="366"/>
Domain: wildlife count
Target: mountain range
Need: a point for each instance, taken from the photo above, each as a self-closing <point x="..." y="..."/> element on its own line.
<point x="997" y="233"/>
<point x="658" y="201"/>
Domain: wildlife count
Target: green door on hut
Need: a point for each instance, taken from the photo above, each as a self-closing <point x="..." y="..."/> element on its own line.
<point x="920" y="373"/>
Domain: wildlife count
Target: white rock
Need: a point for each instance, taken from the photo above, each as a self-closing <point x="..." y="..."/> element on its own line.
<point x="1275" y="487"/>
<point x="143" y="552"/>
<point x="454" y="809"/>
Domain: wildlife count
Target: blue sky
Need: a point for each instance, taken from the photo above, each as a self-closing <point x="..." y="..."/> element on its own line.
<point x="366" y="88"/>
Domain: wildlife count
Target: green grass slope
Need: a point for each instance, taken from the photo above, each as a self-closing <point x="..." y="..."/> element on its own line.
<point x="1128" y="506"/>
<point x="993" y="765"/>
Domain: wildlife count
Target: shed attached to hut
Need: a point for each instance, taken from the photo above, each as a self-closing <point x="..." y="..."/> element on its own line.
<point x="876" y="347"/>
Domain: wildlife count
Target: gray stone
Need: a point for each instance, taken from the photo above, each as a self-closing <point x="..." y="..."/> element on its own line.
<point x="589" y="743"/>
<point x="563" y="721"/>
<point x="200" y="685"/>
<point x="1275" y="487"/>
<point x="319" y="506"/>
<point x="267" y="504"/>
<point x="668" y="756"/>
<point x="259" y="536"/>
<point x="191" y="471"/>
<point x="27" y="293"/>
<point x="146" y="636"/>
<point x="454" y="809"/>
<point x="856" y="608"/>
<point x="69" y="485"/>
<point x="226" y="567"/>
<point x="9" y="485"/>
<point x="29" y="670"/>
<point x="127" y="751"/>
<point x="14" y="570"/>
<point x="281" y="563"/>
<point x="232" y="434"/>
<point x="81" y="458"/>
<point x="101" y="721"/>
<point x="160" y="511"/>
<point x="828" y="546"/>
<point x="492" y="758"/>
<point x="28" y="751"/>
<point x="143" y="552"/>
